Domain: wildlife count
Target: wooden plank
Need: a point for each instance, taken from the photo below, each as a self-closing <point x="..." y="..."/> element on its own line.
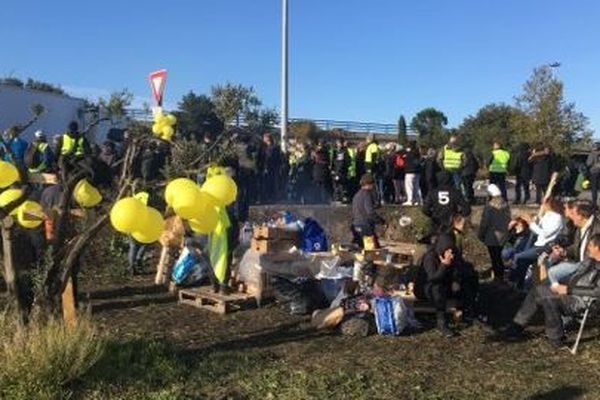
<point x="45" y="179"/>
<point x="268" y="232"/>
<point x="68" y="304"/>
<point x="271" y="246"/>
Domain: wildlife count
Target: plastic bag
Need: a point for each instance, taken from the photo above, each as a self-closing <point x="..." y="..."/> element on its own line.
<point x="184" y="266"/>
<point x="313" y="237"/>
<point x="391" y="315"/>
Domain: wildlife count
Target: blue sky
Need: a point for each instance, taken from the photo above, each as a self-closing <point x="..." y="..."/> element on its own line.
<point x="349" y="59"/>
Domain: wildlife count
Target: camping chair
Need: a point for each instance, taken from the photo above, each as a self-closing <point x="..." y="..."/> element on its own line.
<point x="581" y="326"/>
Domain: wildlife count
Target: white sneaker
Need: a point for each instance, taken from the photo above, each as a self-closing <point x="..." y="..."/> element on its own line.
<point x="407" y="203"/>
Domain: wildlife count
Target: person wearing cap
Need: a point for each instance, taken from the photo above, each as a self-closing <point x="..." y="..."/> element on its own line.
<point x="364" y="216"/>
<point x="493" y="228"/>
<point x="39" y="157"/>
<point x="498" y="167"/>
<point x="73" y="144"/>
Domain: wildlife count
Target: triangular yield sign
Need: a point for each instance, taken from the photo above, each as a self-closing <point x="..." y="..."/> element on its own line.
<point x="157" y="83"/>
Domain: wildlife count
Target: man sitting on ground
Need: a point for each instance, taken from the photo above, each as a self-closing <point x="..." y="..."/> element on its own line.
<point x="441" y="276"/>
<point x="570" y="298"/>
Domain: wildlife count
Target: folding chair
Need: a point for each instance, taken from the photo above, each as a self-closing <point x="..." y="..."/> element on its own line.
<point x="581" y="326"/>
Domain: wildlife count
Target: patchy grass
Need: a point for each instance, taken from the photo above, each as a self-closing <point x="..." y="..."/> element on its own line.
<point x="43" y="359"/>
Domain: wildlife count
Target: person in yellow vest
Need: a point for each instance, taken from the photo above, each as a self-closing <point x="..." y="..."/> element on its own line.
<point x="371" y="154"/>
<point x="73" y="145"/>
<point x="498" y="168"/>
<point x="451" y="160"/>
<point x="39" y="157"/>
<point x="352" y="169"/>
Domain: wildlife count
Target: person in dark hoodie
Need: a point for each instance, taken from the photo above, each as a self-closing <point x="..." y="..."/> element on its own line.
<point x="442" y="275"/>
<point x="364" y="216"/>
<point x="442" y="203"/>
<point x="521" y="168"/>
<point x="468" y="174"/>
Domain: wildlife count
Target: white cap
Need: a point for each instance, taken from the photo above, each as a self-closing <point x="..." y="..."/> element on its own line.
<point x="494" y="190"/>
<point x="39" y="134"/>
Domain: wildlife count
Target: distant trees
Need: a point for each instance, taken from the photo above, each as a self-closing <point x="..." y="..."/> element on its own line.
<point x="429" y="124"/>
<point x="546" y="116"/>
<point x="401" y="130"/>
<point x="305" y="131"/>
<point x="33" y="85"/>
<point x="197" y="116"/>
<point x="233" y="101"/>
<point x="492" y="122"/>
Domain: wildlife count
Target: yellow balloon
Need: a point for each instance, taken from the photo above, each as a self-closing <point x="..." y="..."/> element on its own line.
<point x="86" y="195"/>
<point x="9" y="195"/>
<point x="206" y="223"/>
<point x="214" y="170"/>
<point x="585" y="185"/>
<point x="30" y="214"/>
<point x="168" y="130"/>
<point x="171" y="119"/>
<point x="156" y="128"/>
<point x="176" y="187"/>
<point x="222" y="188"/>
<point x="8" y="174"/>
<point x="166" y="137"/>
<point x="127" y="215"/>
<point x="162" y="120"/>
<point x="187" y="202"/>
<point x="151" y="227"/>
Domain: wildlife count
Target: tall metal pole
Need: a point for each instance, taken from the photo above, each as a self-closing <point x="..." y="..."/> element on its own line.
<point x="284" y="74"/>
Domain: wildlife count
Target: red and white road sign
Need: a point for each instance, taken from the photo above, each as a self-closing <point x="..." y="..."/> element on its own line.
<point x="158" y="79"/>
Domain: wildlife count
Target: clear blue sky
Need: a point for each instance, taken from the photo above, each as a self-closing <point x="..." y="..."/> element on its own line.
<point x="350" y="59"/>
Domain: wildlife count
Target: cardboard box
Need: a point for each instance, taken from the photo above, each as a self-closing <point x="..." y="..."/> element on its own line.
<point x="275" y="233"/>
<point x="271" y="246"/>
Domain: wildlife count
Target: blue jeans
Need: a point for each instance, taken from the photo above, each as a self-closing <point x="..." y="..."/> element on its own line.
<point x="562" y="270"/>
<point x="136" y="253"/>
<point x="522" y="261"/>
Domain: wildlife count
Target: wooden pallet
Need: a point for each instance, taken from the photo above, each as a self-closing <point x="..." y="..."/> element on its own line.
<point x="205" y="298"/>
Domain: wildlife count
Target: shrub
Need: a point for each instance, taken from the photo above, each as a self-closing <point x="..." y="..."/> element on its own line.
<point x="41" y="360"/>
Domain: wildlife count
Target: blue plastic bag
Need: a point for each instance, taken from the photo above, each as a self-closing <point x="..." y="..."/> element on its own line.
<point x="184" y="266"/>
<point x="390" y="315"/>
<point x="314" y="239"/>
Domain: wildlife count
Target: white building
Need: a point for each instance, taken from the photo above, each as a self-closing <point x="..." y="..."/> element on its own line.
<point x="59" y="111"/>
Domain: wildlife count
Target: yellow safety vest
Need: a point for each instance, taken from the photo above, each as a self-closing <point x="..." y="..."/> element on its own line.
<point x="371" y="150"/>
<point x="500" y="160"/>
<point x="452" y="159"/>
<point x="352" y="166"/>
<point x="41" y="147"/>
<point x="68" y="143"/>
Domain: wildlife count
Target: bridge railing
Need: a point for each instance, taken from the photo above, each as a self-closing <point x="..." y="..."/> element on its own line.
<point x="325" y="124"/>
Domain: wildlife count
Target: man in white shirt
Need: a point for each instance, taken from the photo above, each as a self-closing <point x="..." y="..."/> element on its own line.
<point x="547" y="228"/>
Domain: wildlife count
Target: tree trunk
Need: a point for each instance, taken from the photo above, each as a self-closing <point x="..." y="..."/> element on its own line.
<point x="10" y="273"/>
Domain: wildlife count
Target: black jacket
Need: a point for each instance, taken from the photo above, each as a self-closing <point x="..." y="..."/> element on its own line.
<point x="443" y="203"/>
<point x="520" y="166"/>
<point x="431" y="271"/>
<point x="412" y="162"/>
<point x="585" y="282"/>
<point x="363" y="209"/>
<point x="541" y="166"/>
<point x="470" y="164"/>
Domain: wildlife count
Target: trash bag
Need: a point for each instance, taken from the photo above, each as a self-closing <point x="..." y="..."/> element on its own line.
<point x="314" y="238"/>
<point x="302" y="295"/>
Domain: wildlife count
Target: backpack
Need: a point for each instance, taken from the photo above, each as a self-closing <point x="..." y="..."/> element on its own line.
<point x="314" y="239"/>
<point x="399" y="161"/>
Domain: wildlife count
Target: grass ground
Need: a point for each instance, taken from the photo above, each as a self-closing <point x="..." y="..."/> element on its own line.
<point x="178" y="352"/>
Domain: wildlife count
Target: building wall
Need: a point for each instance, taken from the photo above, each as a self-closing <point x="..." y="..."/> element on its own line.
<point x="16" y="103"/>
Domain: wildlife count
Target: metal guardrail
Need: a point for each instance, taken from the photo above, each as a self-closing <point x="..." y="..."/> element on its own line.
<point x="325" y="124"/>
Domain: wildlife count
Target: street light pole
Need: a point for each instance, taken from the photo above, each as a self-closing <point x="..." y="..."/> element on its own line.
<point x="284" y="74"/>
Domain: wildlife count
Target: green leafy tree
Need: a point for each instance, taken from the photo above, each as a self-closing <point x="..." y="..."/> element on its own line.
<point x="233" y="101"/>
<point x="545" y="114"/>
<point x="260" y="120"/>
<point x="197" y="116"/>
<point x="430" y="124"/>
<point x="305" y="131"/>
<point x="491" y="123"/>
<point x="402" y="130"/>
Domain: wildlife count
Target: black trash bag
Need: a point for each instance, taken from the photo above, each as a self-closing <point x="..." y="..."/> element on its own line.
<point x="302" y="295"/>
